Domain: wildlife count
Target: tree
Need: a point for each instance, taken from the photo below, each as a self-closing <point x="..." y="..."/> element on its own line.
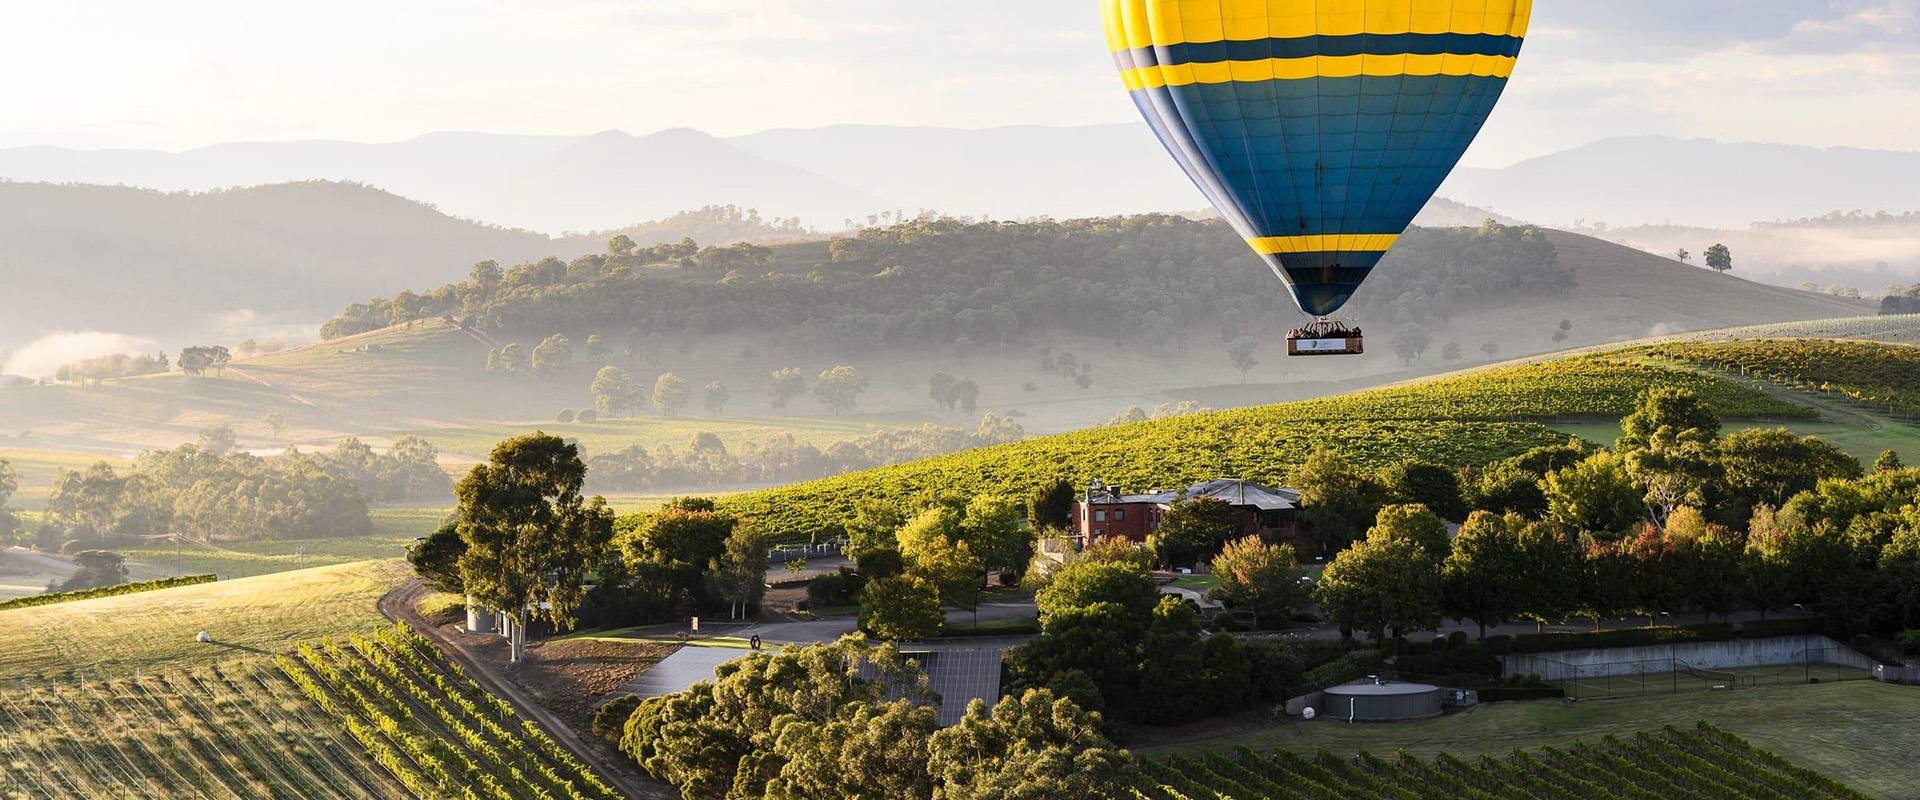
<point x="1339" y="501"/>
<point x="1410" y="342"/>
<point x="787" y="384"/>
<point x="867" y="751"/>
<point x="1428" y="484"/>
<point x="613" y="391"/>
<point x="552" y="354"/>
<point x="839" y="388"/>
<point x="952" y="569"/>
<point x="1769" y="467"/>
<point x="1552" y="573"/>
<point x="531" y="538"/>
<point x="1595" y="496"/>
<point x="1193" y="529"/>
<point x="1889" y="461"/>
<point x="218" y="439"/>
<point x="512" y="359"/>
<point x="1491" y="349"/>
<point x="97" y="568"/>
<point x="1261" y="577"/>
<point x="1710" y="558"/>
<point x="714" y="398"/>
<point x="1051" y="504"/>
<point x="903" y="608"/>
<point x="275" y="422"/>
<point x="436" y="559"/>
<point x="967" y="394"/>
<point x="1485" y="577"/>
<point x="991" y="527"/>
<point x="739" y="574"/>
<point x="1381" y="584"/>
<point x="1240" y="352"/>
<point x="940" y="388"/>
<point x="1450" y="351"/>
<point x="197" y="360"/>
<point x="1679" y="412"/>
<point x="1416" y="524"/>
<point x="670" y="394"/>
<point x="1682" y="255"/>
<point x="598" y="351"/>
<point x="1035" y="746"/>
<point x="1719" y="258"/>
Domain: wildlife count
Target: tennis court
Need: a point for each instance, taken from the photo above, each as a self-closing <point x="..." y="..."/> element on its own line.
<point x="1685" y="679"/>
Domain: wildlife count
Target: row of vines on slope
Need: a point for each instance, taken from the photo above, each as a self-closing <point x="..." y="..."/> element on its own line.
<point x="1465" y="421"/>
<point x="435" y="731"/>
<point x="1870" y="372"/>
<point x="1674" y="764"/>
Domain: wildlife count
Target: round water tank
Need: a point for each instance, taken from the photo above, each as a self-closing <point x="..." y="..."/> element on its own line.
<point x="1381" y="702"/>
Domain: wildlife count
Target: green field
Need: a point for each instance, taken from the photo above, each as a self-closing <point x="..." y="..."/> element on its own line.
<point x="1858" y="732"/>
<point x="118" y="636"/>
<point x="1671" y="763"/>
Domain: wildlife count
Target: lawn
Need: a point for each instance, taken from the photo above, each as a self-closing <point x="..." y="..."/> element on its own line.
<point x="119" y="636"/>
<point x="1859" y="732"/>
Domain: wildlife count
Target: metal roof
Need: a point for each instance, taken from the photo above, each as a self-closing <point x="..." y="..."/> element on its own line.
<point x="1229" y="490"/>
<point x="957" y="676"/>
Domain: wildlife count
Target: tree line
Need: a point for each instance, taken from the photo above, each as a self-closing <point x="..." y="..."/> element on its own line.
<point x="937" y="281"/>
<point x="209" y="491"/>
<point x="783" y="458"/>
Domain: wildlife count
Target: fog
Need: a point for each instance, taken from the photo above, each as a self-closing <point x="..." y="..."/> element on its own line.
<point x="45" y="354"/>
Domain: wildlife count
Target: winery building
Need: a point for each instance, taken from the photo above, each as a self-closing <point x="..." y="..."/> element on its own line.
<point x="1270" y="513"/>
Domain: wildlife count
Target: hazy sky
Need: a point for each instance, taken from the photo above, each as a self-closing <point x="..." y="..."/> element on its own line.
<point x="178" y="74"/>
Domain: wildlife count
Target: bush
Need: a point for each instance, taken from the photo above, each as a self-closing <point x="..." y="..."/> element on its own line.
<point x="1340" y="669"/>
<point x="1456" y="639"/>
<point x="1498" y="645"/>
<point x="1223" y="621"/>
<point x="589" y="416"/>
<point x="610" y="722"/>
<point x="1909" y="641"/>
<point x="834" y="588"/>
<point x="566" y="416"/>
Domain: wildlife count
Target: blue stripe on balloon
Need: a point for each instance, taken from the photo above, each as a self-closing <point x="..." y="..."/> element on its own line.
<point x="1358" y="155"/>
<point x="1369" y="44"/>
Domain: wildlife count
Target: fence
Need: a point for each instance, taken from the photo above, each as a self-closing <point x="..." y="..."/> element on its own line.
<point x="1593" y="679"/>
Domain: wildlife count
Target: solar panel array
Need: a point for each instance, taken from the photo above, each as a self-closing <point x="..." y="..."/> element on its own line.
<point x="958" y="677"/>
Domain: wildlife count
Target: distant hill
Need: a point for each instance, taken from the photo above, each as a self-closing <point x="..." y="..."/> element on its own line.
<point x="133" y="260"/>
<point x="1864" y="252"/>
<point x="1648" y="180"/>
<point x="613" y="181"/>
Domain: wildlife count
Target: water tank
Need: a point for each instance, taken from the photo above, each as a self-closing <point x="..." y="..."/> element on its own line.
<point x="1381" y="702"/>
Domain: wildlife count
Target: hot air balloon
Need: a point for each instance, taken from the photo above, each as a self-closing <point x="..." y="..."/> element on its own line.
<point x="1318" y="128"/>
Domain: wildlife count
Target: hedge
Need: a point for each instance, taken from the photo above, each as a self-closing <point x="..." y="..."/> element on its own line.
<point x="1642" y="637"/>
<point x="104" y="591"/>
<point x="1501" y="694"/>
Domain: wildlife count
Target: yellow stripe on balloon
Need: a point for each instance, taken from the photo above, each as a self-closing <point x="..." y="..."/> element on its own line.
<point x="1319" y="67"/>
<point x="1169" y="22"/>
<point x="1329" y="243"/>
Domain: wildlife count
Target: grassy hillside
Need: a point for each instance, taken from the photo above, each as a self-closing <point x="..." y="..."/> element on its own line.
<point x="121" y="636"/>
<point x="1432" y="421"/>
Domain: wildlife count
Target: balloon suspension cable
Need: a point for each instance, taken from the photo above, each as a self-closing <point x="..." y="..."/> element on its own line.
<point x="1324" y="328"/>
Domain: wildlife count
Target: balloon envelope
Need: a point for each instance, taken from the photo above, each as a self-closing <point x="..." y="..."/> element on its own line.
<point x="1318" y="128"/>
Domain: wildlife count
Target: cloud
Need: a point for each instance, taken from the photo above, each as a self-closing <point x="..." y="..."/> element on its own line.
<point x="48" y="353"/>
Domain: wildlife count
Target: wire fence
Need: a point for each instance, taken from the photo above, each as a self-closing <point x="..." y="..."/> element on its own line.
<point x="1671" y="676"/>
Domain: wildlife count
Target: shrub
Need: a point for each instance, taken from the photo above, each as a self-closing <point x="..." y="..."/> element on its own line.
<point x="610" y="721"/>
<point x="1909" y="641"/>
<point x="1223" y="621"/>
<point x="834" y="588"/>
<point x="1499" y="645"/>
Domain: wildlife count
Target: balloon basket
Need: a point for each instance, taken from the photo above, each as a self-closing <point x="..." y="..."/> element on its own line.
<point x="1325" y="338"/>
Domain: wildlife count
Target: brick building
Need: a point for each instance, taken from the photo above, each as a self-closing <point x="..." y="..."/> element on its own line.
<point x="1272" y="514"/>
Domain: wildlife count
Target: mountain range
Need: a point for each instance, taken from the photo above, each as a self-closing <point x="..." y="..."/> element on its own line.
<point x="829" y="176"/>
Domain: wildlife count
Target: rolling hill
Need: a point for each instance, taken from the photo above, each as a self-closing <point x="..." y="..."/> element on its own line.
<point x="430" y="378"/>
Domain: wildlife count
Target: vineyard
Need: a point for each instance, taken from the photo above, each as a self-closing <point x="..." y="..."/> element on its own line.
<point x="1462" y="421"/>
<point x="1674" y="764"/>
<point x="416" y="714"/>
<point x="236" y="730"/>
<point x="1868" y="372"/>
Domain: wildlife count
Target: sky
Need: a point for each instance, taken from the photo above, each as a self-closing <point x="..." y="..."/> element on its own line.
<point x="186" y="73"/>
